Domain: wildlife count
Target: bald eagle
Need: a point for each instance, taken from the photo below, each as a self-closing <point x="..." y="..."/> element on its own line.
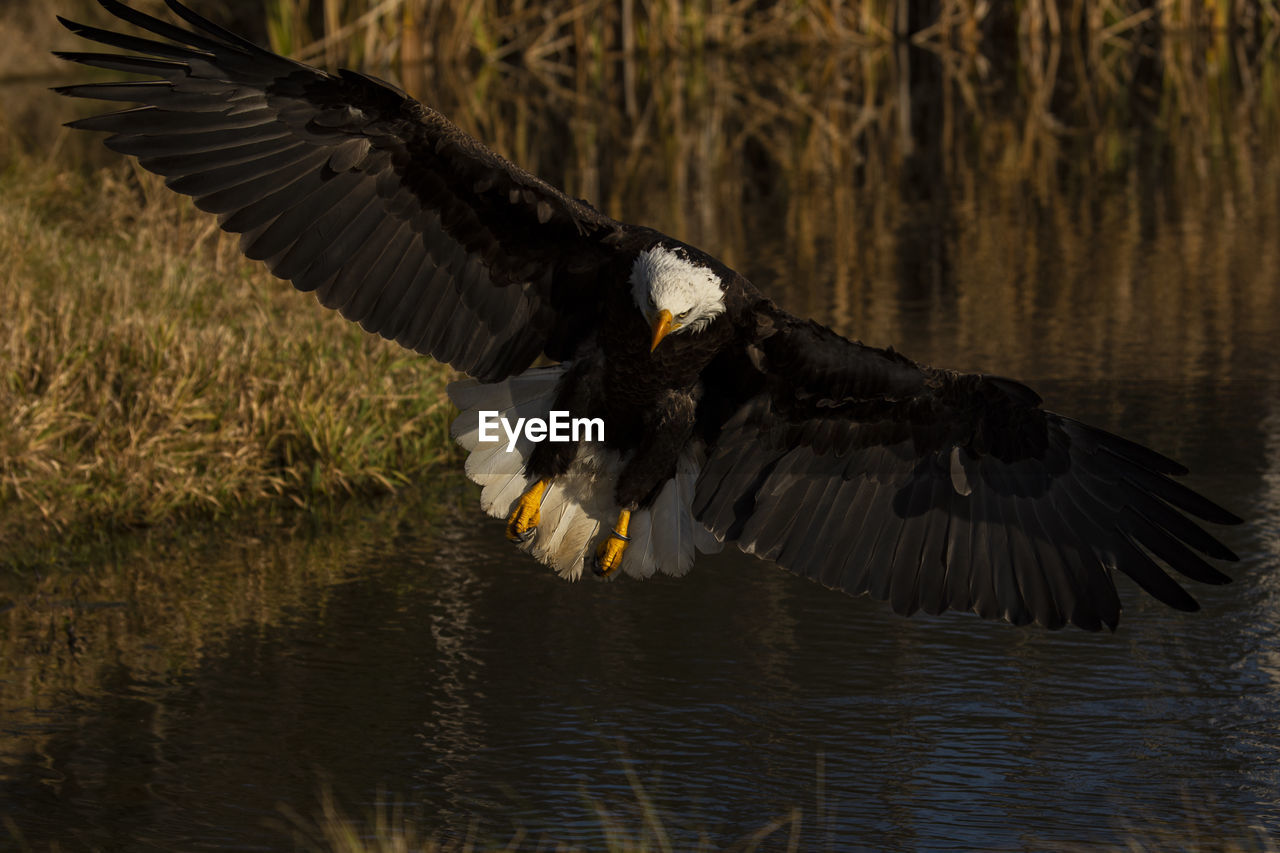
<point x="726" y="419"/>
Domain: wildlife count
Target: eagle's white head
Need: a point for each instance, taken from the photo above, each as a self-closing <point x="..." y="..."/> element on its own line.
<point x="674" y="293"/>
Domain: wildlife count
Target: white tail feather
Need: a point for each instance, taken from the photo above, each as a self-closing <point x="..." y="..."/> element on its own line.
<point x="674" y="536"/>
<point x="579" y="505"/>
<point x="494" y="473"/>
<point x="566" y="530"/>
<point x="529" y="393"/>
<point x="640" y="558"/>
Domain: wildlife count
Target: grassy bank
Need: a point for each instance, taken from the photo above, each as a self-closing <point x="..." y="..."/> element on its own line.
<point x="147" y="372"/>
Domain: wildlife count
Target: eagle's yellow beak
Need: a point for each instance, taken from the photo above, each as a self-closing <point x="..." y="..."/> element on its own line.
<point x="661" y="326"/>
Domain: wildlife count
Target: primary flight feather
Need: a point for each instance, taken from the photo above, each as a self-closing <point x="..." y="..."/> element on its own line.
<point x="726" y="419"/>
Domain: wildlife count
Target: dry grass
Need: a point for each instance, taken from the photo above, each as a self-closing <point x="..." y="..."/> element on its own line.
<point x="572" y="32"/>
<point x="147" y="372"/>
<point x="399" y="828"/>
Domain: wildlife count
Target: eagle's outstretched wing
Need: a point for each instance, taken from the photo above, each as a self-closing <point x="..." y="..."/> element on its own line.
<point x="937" y="490"/>
<point x="348" y="187"/>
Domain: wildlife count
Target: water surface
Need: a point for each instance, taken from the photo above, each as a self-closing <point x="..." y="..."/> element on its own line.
<point x="181" y="696"/>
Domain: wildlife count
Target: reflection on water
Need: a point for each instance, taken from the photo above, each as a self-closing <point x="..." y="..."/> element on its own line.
<point x="1119" y="252"/>
<point x="473" y="684"/>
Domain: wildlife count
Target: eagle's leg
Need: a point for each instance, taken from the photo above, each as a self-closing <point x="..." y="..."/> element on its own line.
<point x="610" y="550"/>
<point x="522" y="524"/>
<point x="548" y="460"/>
<point x="668" y="428"/>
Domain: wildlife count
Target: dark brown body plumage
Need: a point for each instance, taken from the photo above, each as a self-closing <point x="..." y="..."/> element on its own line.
<point x="647" y="398"/>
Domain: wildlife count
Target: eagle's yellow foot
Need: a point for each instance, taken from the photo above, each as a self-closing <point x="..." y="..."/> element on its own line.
<point x="609" y="552"/>
<point x="522" y="524"/>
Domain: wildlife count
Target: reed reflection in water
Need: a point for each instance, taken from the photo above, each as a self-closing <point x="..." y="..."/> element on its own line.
<point x="1102" y="224"/>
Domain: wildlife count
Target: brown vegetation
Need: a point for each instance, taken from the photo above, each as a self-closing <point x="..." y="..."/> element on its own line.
<point x="149" y="372"/>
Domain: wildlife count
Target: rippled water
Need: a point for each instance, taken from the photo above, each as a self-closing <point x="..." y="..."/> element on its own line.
<point x="408" y="655"/>
<point x="446" y="673"/>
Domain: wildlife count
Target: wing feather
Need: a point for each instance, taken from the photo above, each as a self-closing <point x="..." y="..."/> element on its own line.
<point x="936" y="490"/>
<point x="249" y="206"/>
<point x="347" y="187"/>
<point x="205" y="176"/>
<point x="851" y="573"/>
<point x="250" y="154"/>
<point x="956" y="582"/>
<point x="930" y="587"/>
<point x="363" y="280"/>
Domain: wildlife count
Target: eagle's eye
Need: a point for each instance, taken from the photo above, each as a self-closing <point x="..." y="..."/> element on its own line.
<point x="653" y="303"/>
<point x="683" y="314"/>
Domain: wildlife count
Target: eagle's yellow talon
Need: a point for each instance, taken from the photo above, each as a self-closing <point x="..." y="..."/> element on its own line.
<point x="609" y="552"/>
<point x="609" y="556"/>
<point x="522" y="524"/>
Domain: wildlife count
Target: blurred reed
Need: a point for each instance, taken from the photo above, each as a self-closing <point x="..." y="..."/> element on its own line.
<point x="638" y="826"/>
<point x="855" y="158"/>
<point x="573" y="31"/>
<point x="399" y="827"/>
